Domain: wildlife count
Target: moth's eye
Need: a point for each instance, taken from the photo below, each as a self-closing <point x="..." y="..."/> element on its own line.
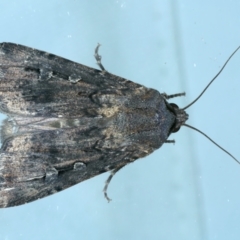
<point x="175" y="106"/>
<point x="176" y="126"/>
<point x="175" y="129"/>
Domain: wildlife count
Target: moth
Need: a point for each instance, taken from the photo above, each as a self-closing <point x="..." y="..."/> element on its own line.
<point x="68" y="122"/>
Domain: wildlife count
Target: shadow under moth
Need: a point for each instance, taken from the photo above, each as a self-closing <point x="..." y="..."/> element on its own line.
<point x="68" y="122"/>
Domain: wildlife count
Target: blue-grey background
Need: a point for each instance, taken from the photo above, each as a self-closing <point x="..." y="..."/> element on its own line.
<point x="189" y="190"/>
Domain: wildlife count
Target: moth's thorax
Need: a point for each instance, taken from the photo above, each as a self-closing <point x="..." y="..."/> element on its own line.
<point x="149" y="127"/>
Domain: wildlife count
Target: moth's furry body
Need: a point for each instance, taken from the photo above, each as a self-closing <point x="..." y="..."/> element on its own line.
<point x="68" y="122"/>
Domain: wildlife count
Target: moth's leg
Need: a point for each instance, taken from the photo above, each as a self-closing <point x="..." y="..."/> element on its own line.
<point x="98" y="58"/>
<point x="170" y="141"/>
<point x="173" y="95"/>
<point x="113" y="172"/>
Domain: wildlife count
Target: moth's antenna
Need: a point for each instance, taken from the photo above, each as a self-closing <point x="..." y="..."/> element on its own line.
<point x="186" y="125"/>
<point x="211" y="80"/>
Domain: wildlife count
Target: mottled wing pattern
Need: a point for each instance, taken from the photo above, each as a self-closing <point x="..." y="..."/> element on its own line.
<point x="68" y="122"/>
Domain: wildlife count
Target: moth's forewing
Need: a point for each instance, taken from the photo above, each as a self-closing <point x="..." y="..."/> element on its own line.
<point x="68" y="122"/>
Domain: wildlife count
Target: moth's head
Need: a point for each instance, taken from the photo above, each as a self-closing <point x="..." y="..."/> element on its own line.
<point x="180" y="116"/>
<point x="180" y="120"/>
